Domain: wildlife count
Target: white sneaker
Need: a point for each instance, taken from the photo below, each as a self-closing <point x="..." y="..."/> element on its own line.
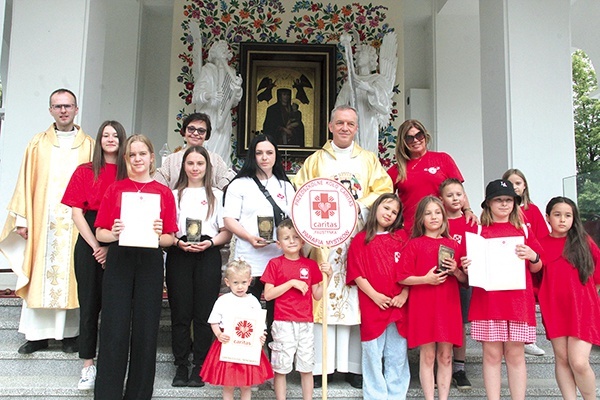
<point x="88" y="378"/>
<point x="534" y="350"/>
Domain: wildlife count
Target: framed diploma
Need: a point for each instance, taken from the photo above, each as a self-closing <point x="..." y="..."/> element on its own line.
<point x="138" y="213"/>
<point x="193" y="230"/>
<point x="244" y="328"/>
<point x="443" y="253"/>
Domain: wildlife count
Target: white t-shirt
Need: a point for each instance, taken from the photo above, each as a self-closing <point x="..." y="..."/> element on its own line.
<point x="244" y="201"/>
<point x="195" y="205"/>
<point x="228" y="302"/>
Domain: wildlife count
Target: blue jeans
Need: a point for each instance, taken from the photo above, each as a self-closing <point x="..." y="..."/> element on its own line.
<point x="385" y="366"/>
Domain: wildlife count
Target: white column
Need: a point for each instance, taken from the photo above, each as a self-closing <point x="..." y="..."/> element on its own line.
<point x="458" y="93"/>
<point x="526" y="92"/>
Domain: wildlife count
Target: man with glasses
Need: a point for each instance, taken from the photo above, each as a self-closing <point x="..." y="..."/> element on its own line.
<point x="39" y="235"/>
<point x="195" y="129"/>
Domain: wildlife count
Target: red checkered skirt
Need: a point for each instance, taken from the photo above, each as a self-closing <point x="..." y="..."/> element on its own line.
<point x="502" y="331"/>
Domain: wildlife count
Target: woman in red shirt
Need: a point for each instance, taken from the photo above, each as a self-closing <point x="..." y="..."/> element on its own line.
<point x="84" y="194"/>
<point x="133" y="281"/>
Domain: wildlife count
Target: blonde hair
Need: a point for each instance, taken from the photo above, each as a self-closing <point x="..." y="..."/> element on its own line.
<point x="525" y="199"/>
<point x="487" y="218"/>
<point x="402" y="154"/>
<point x="237" y="267"/>
<point x="148" y="143"/>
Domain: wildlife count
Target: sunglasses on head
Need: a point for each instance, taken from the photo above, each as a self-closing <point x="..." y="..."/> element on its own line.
<point x="410" y="138"/>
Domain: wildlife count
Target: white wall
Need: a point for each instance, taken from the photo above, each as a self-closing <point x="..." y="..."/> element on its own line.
<point x="458" y="95"/>
<point x="54" y="58"/>
<point x="543" y="143"/>
<point x="152" y="113"/>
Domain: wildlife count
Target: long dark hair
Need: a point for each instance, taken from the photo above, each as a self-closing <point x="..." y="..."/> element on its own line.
<point x="98" y="160"/>
<point x="371" y="223"/>
<point x="250" y="167"/>
<point x="182" y="181"/>
<point x="577" y="249"/>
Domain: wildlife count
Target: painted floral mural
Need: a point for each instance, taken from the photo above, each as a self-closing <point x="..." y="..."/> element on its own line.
<point x="263" y="21"/>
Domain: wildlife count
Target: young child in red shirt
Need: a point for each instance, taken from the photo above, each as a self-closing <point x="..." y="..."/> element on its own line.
<point x="373" y="262"/>
<point x="569" y="297"/>
<point x="453" y="196"/>
<point x="434" y="321"/>
<point x="535" y="222"/>
<point x="505" y="320"/>
<point x="293" y="281"/>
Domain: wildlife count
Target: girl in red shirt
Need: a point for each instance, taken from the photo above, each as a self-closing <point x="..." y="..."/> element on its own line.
<point x="505" y="320"/>
<point x="569" y="298"/>
<point x="84" y="194"/>
<point x="373" y="262"/>
<point x="434" y="316"/>
<point x="133" y="282"/>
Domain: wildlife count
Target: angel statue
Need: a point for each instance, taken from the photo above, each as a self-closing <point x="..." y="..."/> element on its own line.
<point x="217" y="90"/>
<point x="367" y="91"/>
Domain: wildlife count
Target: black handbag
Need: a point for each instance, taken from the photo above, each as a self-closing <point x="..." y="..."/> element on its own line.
<point x="278" y="214"/>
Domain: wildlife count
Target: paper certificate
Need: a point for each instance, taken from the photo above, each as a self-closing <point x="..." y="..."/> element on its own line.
<point x="244" y="329"/>
<point x="494" y="264"/>
<point x="138" y="213"/>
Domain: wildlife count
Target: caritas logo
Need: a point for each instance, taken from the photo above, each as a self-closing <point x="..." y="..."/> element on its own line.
<point x="244" y="329"/>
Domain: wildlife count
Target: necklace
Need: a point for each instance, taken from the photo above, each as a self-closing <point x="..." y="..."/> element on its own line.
<point x="139" y="189"/>
<point x="417" y="163"/>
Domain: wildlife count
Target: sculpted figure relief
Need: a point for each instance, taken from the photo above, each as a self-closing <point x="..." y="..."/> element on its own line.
<point x="217" y="90"/>
<point x="368" y="91"/>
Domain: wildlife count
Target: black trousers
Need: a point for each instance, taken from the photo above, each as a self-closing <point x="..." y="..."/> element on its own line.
<point x="131" y="305"/>
<point x="193" y="284"/>
<point x="89" y="292"/>
<point x="256" y="289"/>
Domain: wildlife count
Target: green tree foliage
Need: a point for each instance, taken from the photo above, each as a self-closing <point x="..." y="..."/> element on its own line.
<point x="586" y="113"/>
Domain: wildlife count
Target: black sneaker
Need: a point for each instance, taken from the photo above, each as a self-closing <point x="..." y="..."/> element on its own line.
<point x="195" y="380"/>
<point x="460" y="380"/>
<point x="355" y="380"/>
<point x="70" y="345"/>
<point x="317" y="381"/>
<point x="181" y="376"/>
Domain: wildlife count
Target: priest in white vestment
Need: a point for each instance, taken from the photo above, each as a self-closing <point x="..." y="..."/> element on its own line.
<point x="39" y="235"/>
<point x="343" y="160"/>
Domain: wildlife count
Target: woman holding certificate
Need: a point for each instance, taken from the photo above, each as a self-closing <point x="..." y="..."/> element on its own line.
<point x="252" y="216"/>
<point x="504" y="320"/>
<point x="194" y="263"/>
<point x="137" y="216"/>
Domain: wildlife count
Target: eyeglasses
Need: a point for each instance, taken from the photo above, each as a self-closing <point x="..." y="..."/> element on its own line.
<point x="58" y="107"/>
<point x="409" y="138"/>
<point x="196" y="131"/>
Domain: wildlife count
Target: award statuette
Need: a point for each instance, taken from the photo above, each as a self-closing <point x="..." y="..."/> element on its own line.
<point x="443" y="253"/>
<point x="266" y="225"/>
<point x="193" y="230"/>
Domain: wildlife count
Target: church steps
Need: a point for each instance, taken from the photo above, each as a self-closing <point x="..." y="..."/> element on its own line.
<point x="52" y="374"/>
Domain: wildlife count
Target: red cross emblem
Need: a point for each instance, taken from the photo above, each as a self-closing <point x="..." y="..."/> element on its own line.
<point x="324" y="205"/>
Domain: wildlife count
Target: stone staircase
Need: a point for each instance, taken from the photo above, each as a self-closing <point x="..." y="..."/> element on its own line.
<point x="52" y="374"/>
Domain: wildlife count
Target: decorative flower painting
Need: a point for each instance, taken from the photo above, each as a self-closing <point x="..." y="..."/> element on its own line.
<point x="268" y="21"/>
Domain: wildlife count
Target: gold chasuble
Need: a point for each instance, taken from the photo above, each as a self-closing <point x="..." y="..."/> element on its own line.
<point x="44" y="262"/>
<point x="365" y="178"/>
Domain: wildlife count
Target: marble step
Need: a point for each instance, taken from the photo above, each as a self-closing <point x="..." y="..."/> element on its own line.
<point x="64" y="387"/>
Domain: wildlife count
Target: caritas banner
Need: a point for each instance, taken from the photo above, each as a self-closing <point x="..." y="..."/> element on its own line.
<point x="324" y="212"/>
